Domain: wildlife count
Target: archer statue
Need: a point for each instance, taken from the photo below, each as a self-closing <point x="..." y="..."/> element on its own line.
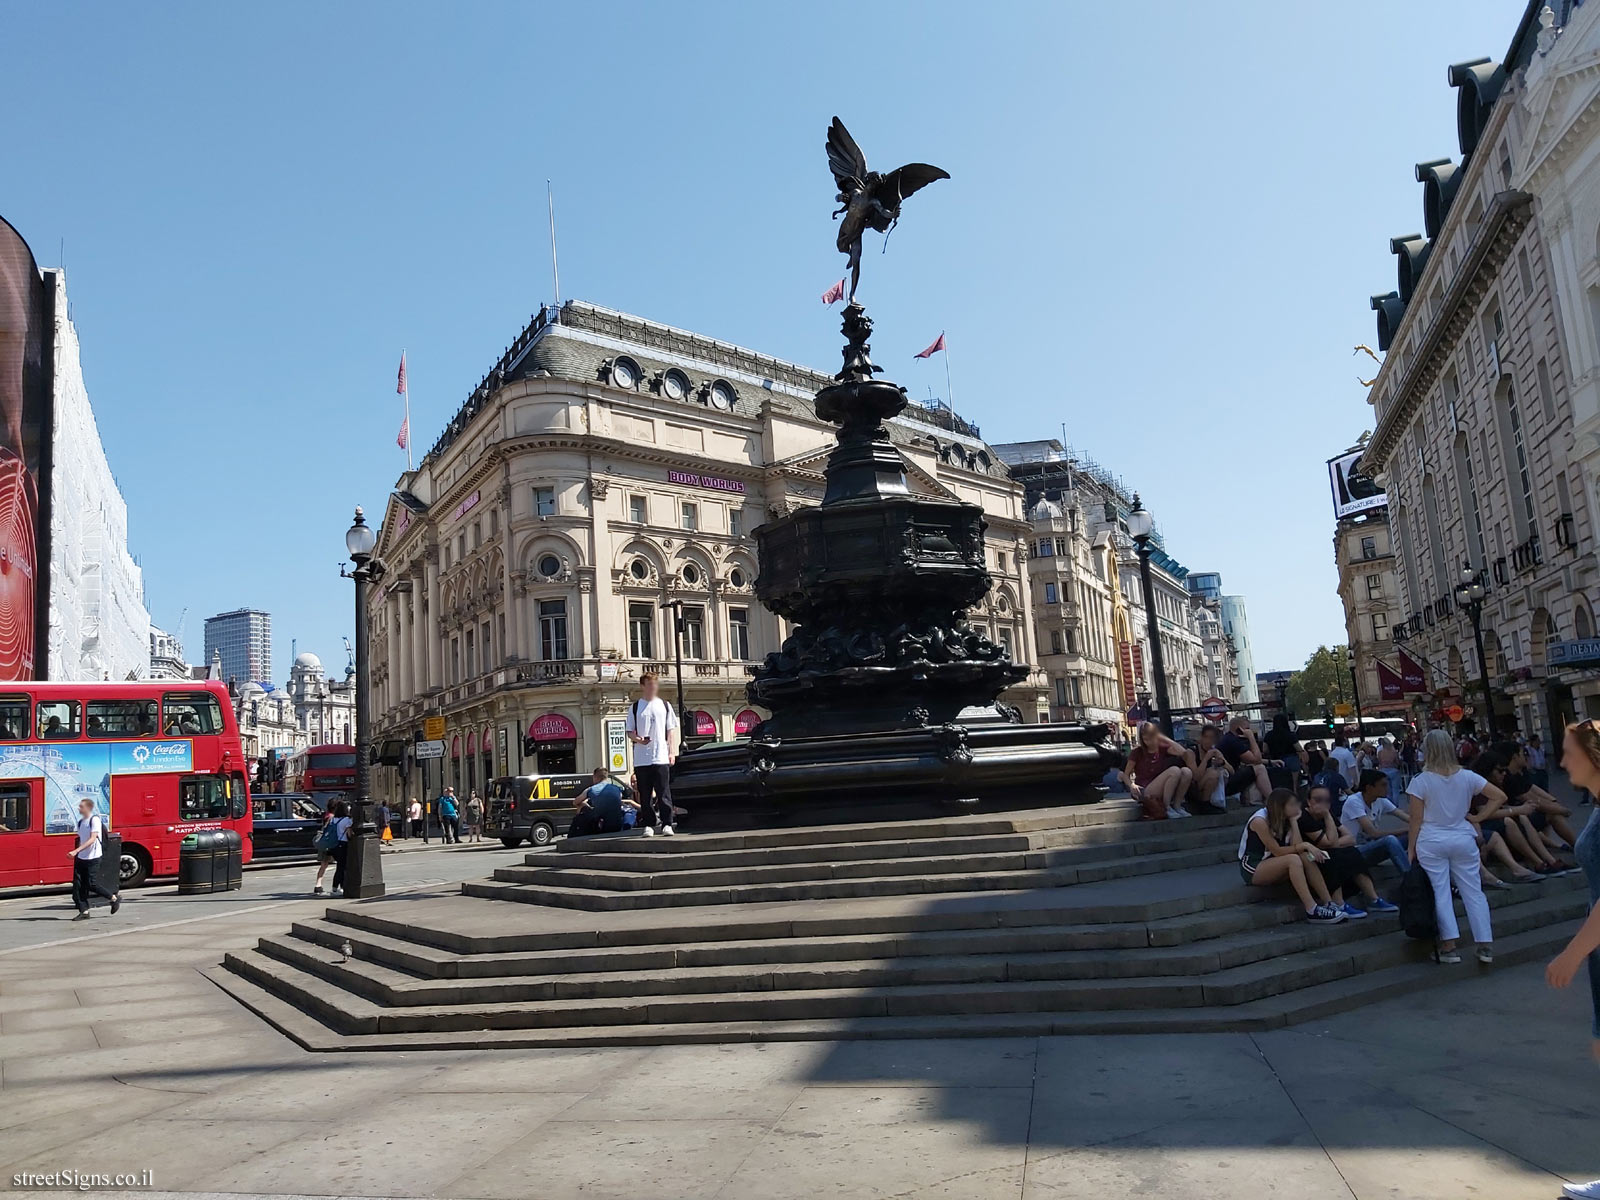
<point x="868" y="200"/>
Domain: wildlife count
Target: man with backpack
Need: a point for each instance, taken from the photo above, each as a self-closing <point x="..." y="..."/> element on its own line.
<point x="652" y="728"/>
<point x="86" y="861"/>
<point x="449" y="817"/>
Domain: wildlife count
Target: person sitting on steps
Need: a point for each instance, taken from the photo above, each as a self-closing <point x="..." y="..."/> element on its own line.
<point x="1271" y="852"/>
<point x="1211" y="770"/>
<point x="1243" y="753"/>
<point x="1359" y="816"/>
<point x="1512" y="820"/>
<point x="1346" y="868"/>
<point x="600" y="808"/>
<point x="1156" y="774"/>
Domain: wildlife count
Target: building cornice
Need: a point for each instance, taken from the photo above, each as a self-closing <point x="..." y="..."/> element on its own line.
<point x="1508" y="215"/>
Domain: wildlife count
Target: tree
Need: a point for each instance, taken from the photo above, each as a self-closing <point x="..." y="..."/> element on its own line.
<point x="1323" y="680"/>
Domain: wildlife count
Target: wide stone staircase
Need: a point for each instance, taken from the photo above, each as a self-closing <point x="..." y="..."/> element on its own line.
<point x="1080" y="920"/>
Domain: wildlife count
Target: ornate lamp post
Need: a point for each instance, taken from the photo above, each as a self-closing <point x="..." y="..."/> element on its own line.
<point x="675" y="607"/>
<point x="363" y="863"/>
<point x="1140" y="526"/>
<point x="1282" y="687"/>
<point x="1469" y="598"/>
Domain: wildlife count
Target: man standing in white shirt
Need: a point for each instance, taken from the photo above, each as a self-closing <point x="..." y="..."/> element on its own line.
<point x="86" y="861"/>
<point x="1345" y="757"/>
<point x="652" y="728"/>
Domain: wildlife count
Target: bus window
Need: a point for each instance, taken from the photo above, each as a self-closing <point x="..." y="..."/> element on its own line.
<point x="120" y="718"/>
<point x="13" y="718"/>
<point x="58" y="719"/>
<point x="16" y="807"/>
<point x="239" y="794"/>
<point x="202" y="798"/>
<point x="189" y="714"/>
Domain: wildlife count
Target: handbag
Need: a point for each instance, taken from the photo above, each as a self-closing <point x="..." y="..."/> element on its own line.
<point x="1418" y="919"/>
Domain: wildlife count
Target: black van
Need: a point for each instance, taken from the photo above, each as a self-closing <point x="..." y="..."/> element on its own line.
<point x="532" y="808"/>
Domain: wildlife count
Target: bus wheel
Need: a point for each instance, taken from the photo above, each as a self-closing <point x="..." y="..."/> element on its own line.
<point x="543" y="834"/>
<point x="133" y="868"/>
<point x="510" y="843"/>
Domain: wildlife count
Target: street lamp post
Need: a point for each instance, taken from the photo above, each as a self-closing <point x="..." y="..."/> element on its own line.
<point x="1140" y="526"/>
<point x="676" y="608"/>
<point x="1469" y="598"/>
<point x="1282" y="687"/>
<point x="363" y="871"/>
<point x="1355" y="687"/>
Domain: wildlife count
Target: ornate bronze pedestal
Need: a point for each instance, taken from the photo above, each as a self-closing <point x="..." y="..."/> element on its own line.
<point x="883" y="700"/>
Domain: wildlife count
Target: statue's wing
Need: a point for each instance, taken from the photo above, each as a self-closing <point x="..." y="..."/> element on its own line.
<point x="912" y="177"/>
<point x="845" y="160"/>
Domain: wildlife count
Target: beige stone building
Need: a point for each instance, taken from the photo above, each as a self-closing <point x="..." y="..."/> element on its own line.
<point x="608" y="466"/>
<point x="1369" y="590"/>
<point x="1474" y="434"/>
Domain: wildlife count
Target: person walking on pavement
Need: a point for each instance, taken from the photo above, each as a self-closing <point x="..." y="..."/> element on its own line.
<point x="1580" y="756"/>
<point x="475" y="817"/>
<point x="325" y="856"/>
<point x="413" y="817"/>
<point x="341" y="849"/>
<point x="652" y="728"/>
<point x="86" y="861"/>
<point x="449" y="817"/>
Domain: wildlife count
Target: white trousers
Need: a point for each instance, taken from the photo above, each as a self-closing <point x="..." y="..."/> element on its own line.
<point x="1452" y="855"/>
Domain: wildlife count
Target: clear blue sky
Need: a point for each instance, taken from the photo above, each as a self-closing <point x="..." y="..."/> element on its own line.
<point x="1163" y="225"/>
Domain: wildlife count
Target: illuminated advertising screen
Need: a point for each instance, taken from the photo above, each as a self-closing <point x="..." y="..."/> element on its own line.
<point x="26" y="387"/>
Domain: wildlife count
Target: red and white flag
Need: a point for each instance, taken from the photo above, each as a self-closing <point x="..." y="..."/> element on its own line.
<point x="938" y="345"/>
<point x="403" y="440"/>
<point x="834" y="294"/>
<point x="400" y="384"/>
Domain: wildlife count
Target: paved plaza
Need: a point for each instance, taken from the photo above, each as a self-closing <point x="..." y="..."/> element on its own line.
<point x="118" y="1056"/>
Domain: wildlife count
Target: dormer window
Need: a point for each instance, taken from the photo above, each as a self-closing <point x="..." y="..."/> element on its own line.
<point x="675" y="385"/>
<point x="722" y="396"/>
<point x="624" y="373"/>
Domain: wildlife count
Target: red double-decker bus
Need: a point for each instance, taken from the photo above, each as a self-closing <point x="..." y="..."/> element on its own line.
<point x="330" y="768"/>
<point x="159" y="759"/>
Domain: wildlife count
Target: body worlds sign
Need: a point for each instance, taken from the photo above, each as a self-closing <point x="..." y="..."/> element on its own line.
<point x="692" y="479"/>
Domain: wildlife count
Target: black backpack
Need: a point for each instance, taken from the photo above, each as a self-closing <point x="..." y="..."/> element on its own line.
<point x="1417" y="916"/>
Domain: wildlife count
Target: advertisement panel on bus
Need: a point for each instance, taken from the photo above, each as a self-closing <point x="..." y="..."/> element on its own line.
<point x="73" y="770"/>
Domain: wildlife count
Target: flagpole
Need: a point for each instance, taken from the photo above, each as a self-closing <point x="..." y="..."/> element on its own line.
<point x="555" y="270"/>
<point x="408" y="414"/>
<point x="949" y="392"/>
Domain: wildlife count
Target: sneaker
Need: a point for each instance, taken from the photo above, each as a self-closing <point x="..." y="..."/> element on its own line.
<point x="116" y="903"/>
<point x="649" y="832"/>
<point x="1382" y="906"/>
<point x="317" y="891"/>
<point x="1325" y="914"/>
<point x="1486" y="955"/>
<point x="667" y="830"/>
<point x="83" y="916"/>
<point x="1176" y="814"/>
<point x="1352" y="912"/>
<point x="1582" y="1191"/>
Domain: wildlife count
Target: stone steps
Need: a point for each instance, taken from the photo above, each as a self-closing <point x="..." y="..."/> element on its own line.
<point x="296" y="1021"/>
<point x="1068" y="921"/>
<point x="429" y="962"/>
<point x="611" y="891"/>
<point x="311" y="976"/>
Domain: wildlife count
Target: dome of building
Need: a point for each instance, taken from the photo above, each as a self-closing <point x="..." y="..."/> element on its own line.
<point x="251" y="691"/>
<point x="309" y="662"/>
<point x="1045" y="510"/>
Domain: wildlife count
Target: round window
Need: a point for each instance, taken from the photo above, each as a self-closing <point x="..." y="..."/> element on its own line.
<point x="721" y="395"/>
<point x="549" y="566"/>
<point x="624" y="373"/>
<point x="736" y="577"/>
<point x="675" y="384"/>
<point x="639" y="569"/>
<point x="691" y="573"/>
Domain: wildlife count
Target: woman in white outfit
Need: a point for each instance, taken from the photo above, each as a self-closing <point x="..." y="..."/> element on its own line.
<point x="1445" y="843"/>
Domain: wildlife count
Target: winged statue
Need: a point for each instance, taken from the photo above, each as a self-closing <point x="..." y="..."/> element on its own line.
<point x="868" y="200"/>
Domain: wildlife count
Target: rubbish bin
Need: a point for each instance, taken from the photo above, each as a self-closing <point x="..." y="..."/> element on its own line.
<point x="197" y="865"/>
<point x="231" y="855"/>
<point x="106" y="871"/>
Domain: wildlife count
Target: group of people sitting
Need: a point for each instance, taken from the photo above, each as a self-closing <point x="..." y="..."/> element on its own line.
<point x="1171" y="780"/>
<point x="1513" y="822"/>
